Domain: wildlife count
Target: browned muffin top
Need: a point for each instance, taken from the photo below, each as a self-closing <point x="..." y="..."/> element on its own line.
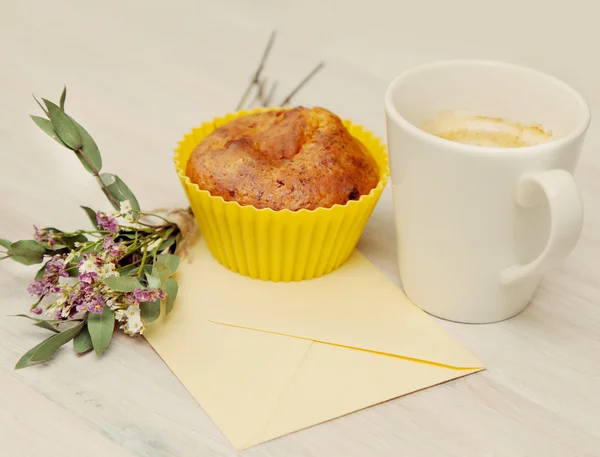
<point x="284" y="159"/>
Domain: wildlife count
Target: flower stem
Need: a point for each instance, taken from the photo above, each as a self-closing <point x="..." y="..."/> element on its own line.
<point x="156" y="250"/>
<point x="37" y="303"/>
<point x="150" y="226"/>
<point x="96" y="173"/>
<point x="143" y="260"/>
<point x="155" y="215"/>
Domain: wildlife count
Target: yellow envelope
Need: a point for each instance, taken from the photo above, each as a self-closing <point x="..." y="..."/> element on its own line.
<point x="266" y="359"/>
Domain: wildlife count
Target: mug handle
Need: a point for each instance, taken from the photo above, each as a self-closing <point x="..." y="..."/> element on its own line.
<point x="566" y="219"/>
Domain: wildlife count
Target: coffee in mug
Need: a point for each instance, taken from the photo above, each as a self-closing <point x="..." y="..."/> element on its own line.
<point x="485" y="131"/>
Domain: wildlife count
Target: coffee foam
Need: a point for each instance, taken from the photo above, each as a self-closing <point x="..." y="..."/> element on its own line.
<point x="485" y="131"/>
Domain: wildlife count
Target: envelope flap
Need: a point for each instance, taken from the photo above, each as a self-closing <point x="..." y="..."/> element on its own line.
<point x="355" y="306"/>
<point x="315" y="396"/>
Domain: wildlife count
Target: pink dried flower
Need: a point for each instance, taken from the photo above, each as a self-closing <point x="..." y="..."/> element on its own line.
<point x="88" y="300"/>
<point x="108" y="242"/>
<point x="111" y="249"/>
<point x="55" y="269"/>
<point x="39" y="288"/>
<point x="145" y="295"/>
<point x="106" y="222"/>
<point x="42" y="236"/>
<point x="88" y="278"/>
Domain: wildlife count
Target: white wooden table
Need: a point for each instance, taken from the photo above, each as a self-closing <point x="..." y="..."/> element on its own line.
<point x="139" y="76"/>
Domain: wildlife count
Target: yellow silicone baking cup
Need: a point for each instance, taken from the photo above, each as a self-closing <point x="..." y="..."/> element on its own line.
<point x="279" y="245"/>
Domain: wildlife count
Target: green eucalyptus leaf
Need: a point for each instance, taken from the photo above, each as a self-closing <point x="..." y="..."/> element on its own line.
<point x="128" y="269"/>
<point x="166" y="265"/>
<point x="150" y="311"/>
<point x="54" y="229"/>
<point x="166" y="244"/>
<point x="161" y="271"/>
<point x="135" y="268"/>
<point x="63" y="98"/>
<point x="128" y="235"/>
<point x="40" y="273"/>
<point x="24" y="247"/>
<point x="171" y="261"/>
<point x="47" y="127"/>
<point x="4" y="243"/>
<point x="49" y="321"/>
<point x="25" y="260"/>
<point x="64" y="127"/>
<point x="70" y="240"/>
<point x="83" y="341"/>
<point x="48" y="347"/>
<point x="47" y="326"/>
<point x="123" y="283"/>
<point x="170" y="287"/>
<point x="27" y="252"/>
<point x="92" y="161"/>
<point x="40" y="105"/>
<point x="101" y="327"/>
<point x="91" y="214"/>
<point x="118" y="190"/>
<point x="153" y="281"/>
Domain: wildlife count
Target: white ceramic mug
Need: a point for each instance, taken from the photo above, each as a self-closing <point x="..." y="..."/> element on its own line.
<point x="478" y="226"/>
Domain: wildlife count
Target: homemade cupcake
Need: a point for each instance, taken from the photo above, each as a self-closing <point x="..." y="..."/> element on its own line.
<point x="284" y="159"/>
<point x="282" y="194"/>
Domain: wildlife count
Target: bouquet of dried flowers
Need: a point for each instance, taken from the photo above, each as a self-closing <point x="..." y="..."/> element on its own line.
<point x="115" y="273"/>
<point x="118" y="273"/>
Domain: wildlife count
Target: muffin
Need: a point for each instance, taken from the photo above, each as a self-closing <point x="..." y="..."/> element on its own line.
<point x="331" y="175"/>
<point x="284" y="159"/>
